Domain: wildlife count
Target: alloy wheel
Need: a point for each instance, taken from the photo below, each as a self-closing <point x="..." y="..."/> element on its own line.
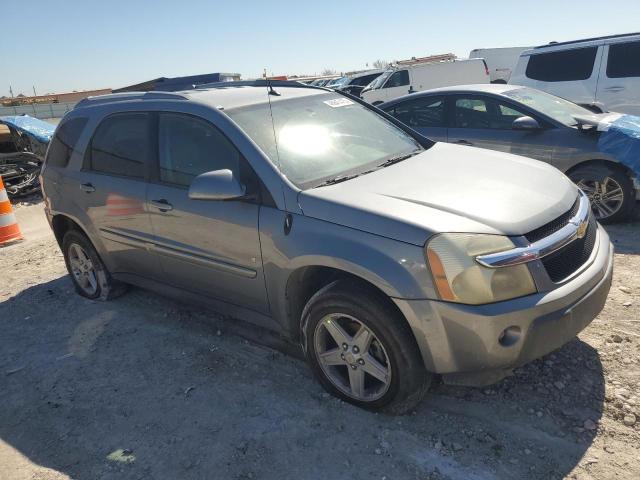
<point x="606" y="196"/>
<point x="352" y="357"/>
<point x="82" y="269"/>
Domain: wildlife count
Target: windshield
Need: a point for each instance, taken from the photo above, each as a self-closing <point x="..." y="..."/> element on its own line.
<point x="557" y="108"/>
<point x="323" y="136"/>
<point x="379" y="81"/>
<point x="337" y="82"/>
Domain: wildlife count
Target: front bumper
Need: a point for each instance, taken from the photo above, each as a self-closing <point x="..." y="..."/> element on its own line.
<point x="455" y="338"/>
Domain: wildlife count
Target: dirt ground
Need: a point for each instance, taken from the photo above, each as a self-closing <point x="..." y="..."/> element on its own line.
<point x="143" y="387"/>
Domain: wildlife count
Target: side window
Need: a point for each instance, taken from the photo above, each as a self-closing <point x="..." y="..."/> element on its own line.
<point x="64" y="141"/>
<point x="190" y="146"/>
<point x="471" y="113"/>
<point x="504" y="116"/>
<point x="624" y="60"/>
<point x="398" y="79"/>
<point x="121" y="145"/>
<point x="365" y="80"/>
<point x="421" y="112"/>
<point x="562" y="66"/>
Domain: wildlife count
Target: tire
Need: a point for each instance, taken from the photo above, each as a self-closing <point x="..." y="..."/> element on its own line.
<point x="82" y="260"/>
<point x="391" y="345"/>
<point x="598" y="180"/>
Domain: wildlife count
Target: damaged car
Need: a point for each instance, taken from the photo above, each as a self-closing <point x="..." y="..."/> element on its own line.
<point x="23" y="144"/>
<point x="599" y="152"/>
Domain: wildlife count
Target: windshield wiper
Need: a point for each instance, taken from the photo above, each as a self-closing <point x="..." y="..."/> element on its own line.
<point x="338" y="179"/>
<point x="397" y="159"/>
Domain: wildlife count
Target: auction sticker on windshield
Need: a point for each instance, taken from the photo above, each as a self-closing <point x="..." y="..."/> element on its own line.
<point x="338" y="102"/>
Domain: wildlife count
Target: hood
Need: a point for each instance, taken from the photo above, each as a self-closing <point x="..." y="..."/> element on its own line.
<point x="447" y="188"/>
<point x="33" y="127"/>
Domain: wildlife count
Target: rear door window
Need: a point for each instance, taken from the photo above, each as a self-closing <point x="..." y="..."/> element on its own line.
<point x="421" y="112"/>
<point x="485" y="113"/>
<point x="563" y="66"/>
<point x="121" y="145"/>
<point x="398" y="79"/>
<point x="624" y="60"/>
<point x="64" y="141"/>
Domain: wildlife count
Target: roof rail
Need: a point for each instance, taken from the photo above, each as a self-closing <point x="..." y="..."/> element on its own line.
<point x="445" y="57"/>
<point x="256" y="83"/>
<point x="115" y="97"/>
<point x="606" y="37"/>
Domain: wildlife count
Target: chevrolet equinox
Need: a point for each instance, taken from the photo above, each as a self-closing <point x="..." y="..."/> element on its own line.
<point x="388" y="257"/>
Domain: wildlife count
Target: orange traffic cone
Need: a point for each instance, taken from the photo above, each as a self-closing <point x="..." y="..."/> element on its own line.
<point x="9" y="229"/>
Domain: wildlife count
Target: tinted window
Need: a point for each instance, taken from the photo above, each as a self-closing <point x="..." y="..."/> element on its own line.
<point x="121" y="145"/>
<point x="624" y="60"/>
<point x="421" y="112"/>
<point x="485" y="113"/>
<point x="190" y="146"/>
<point x="364" y="80"/>
<point x="398" y="79"/>
<point x="64" y="141"/>
<point x="564" y="66"/>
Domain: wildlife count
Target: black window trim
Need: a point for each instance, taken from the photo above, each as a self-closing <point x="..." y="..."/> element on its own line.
<point x="87" y="161"/>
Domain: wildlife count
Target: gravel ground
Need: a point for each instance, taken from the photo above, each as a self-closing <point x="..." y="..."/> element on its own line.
<point x="143" y="387"/>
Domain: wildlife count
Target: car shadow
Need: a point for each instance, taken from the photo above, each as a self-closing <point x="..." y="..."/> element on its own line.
<point x="626" y="236"/>
<point x="144" y="387"/>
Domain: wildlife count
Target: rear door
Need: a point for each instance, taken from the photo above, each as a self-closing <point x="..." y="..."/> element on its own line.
<point x="112" y="189"/>
<point x="486" y="122"/>
<point x="205" y="246"/>
<point x="424" y="114"/>
<point x="619" y="84"/>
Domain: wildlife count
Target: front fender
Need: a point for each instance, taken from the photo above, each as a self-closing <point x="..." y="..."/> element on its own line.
<point x="396" y="268"/>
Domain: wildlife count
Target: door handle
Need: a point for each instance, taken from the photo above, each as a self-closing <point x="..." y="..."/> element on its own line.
<point x="464" y="142"/>
<point x="87" y="187"/>
<point x="616" y="88"/>
<point x="162" y="205"/>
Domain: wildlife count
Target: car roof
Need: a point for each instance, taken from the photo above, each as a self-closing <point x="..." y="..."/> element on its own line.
<point x="494" y="88"/>
<point x="585" y="42"/>
<point x="221" y="97"/>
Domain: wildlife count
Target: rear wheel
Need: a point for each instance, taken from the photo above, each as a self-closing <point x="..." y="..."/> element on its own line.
<point x="89" y="275"/>
<point x="361" y="350"/>
<point x="610" y="191"/>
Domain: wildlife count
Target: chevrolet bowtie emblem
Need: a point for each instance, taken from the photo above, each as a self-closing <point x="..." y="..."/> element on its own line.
<point x="582" y="227"/>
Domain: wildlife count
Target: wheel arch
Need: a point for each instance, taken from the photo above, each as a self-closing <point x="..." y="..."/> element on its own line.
<point x="603" y="163"/>
<point x="61" y="224"/>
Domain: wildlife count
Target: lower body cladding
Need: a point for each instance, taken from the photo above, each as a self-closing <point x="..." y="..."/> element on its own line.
<point x="478" y="345"/>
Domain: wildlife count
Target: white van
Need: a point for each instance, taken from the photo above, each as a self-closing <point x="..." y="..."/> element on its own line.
<point x="501" y="61"/>
<point x="602" y="74"/>
<point x="417" y="74"/>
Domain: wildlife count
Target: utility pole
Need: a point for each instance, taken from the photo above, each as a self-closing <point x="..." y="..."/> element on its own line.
<point x="11" y="91"/>
<point x="34" y="91"/>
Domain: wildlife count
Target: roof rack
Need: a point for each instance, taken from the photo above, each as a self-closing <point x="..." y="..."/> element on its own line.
<point x="445" y="57"/>
<point x="606" y="37"/>
<point x="114" y="97"/>
<point x="256" y="83"/>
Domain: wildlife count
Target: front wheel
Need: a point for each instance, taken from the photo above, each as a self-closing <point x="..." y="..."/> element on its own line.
<point x="610" y="191"/>
<point x="361" y="350"/>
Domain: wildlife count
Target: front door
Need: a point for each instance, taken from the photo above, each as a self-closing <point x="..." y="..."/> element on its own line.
<point x="205" y="246"/>
<point x="486" y="122"/>
<point x="619" y="84"/>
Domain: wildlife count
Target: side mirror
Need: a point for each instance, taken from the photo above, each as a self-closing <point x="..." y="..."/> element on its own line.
<point x="525" y="123"/>
<point x="216" y="185"/>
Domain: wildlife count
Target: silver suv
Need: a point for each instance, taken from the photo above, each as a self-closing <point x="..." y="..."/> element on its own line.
<point x="389" y="258"/>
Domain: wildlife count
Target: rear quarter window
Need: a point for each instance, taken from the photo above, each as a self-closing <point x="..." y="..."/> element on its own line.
<point x="624" y="60"/>
<point x="563" y="66"/>
<point x="64" y="141"/>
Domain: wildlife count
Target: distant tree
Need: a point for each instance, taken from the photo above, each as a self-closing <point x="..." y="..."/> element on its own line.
<point x="381" y="64"/>
<point x="328" y="71"/>
<point x="21" y="95"/>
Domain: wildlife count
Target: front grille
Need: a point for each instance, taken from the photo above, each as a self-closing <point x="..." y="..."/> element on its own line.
<point x="568" y="259"/>
<point x="554" y="225"/>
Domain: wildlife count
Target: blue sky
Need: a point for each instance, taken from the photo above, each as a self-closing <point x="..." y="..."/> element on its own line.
<point x="77" y="45"/>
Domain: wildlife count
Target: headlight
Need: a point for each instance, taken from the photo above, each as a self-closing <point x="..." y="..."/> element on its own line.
<point x="459" y="278"/>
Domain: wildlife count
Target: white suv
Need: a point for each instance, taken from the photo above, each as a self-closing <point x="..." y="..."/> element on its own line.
<point x="599" y="73"/>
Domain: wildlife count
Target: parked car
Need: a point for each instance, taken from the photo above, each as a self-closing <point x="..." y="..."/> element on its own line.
<point x="534" y="124"/>
<point x="602" y="74"/>
<point x="355" y="83"/>
<point x="422" y="74"/>
<point x="387" y="257"/>
<point x="500" y="61"/>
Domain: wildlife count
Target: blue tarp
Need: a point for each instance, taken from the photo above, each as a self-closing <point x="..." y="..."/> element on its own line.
<point x="38" y="129"/>
<point x="621" y="139"/>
